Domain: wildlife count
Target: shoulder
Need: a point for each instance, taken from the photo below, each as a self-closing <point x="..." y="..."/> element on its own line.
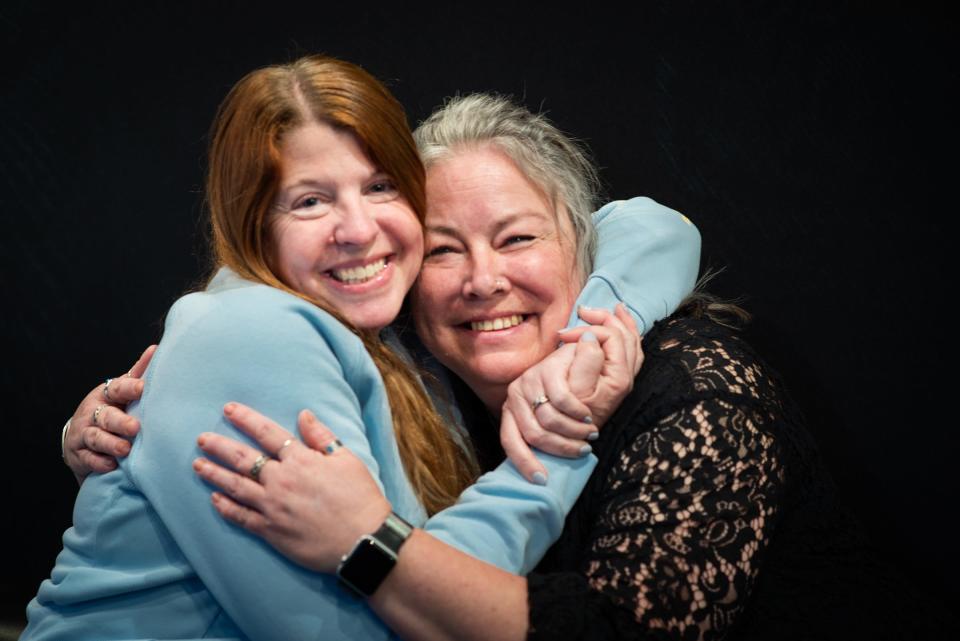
<point x="703" y="356"/>
<point x="252" y="318"/>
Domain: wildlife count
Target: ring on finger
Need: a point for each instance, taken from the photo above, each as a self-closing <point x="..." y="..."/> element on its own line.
<point x="285" y="444"/>
<point x="106" y="389"/>
<point x="333" y="446"/>
<point x="538" y="401"/>
<point x="97" y="412"/>
<point x="257" y="466"/>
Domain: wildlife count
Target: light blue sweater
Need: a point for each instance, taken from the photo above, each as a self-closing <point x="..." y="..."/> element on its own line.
<point x="148" y="557"/>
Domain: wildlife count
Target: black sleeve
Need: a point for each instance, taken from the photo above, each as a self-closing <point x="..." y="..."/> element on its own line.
<point x="684" y="509"/>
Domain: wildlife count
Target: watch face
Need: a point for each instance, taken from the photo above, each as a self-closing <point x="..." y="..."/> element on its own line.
<point x="367" y="566"/>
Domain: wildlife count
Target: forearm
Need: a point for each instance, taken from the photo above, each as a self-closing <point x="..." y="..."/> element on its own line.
<point x="437" y="593"/>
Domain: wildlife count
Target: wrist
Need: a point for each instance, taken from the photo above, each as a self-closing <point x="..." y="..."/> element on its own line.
<point x="373" y="556"/>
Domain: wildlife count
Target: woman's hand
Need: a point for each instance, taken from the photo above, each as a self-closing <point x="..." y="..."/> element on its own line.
<point x="312" y="501"/>
<point x="559" y="404"/>
<point x="94" y="438"/>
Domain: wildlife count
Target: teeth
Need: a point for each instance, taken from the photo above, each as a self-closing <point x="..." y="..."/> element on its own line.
<point x="354" y="275"/>
<point x="504" y="322"/>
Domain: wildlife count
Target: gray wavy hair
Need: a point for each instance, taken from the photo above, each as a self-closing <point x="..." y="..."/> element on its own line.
<point x="556" y="163"/>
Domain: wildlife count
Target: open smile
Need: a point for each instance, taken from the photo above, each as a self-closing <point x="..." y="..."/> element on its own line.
<point x="495" y="324"/>
<point x="358" y="274"/>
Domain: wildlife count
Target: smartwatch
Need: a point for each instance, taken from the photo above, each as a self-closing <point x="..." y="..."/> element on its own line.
<point x="365" y="567"/>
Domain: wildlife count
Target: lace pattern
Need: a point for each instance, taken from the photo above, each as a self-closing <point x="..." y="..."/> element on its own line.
<point x="672" y="527"/>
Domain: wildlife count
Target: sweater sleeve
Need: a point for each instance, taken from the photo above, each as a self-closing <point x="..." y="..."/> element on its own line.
<point x="648" y="258"/>
<point x="277" y="354"/>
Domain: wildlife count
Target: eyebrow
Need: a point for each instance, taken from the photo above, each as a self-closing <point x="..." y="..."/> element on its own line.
<point x="320" y="184"/>
<point x="445" y="230"/>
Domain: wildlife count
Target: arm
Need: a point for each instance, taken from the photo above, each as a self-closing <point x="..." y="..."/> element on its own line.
<point x="273" y="350"/>
<point x="648" y="258"/>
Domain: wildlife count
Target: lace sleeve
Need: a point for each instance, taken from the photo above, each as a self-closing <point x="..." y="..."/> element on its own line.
<point x="674" y="528"/>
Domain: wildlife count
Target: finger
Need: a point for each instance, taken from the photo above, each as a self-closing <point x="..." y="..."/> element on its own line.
<point x="237" y="455"/>
<point x="239" y="488"/>
<point x="534" y="434"/>
<point x="556" y="386"/>
<point x="235" y="513"/>
<point x="519" y="452"/>
<point x="140" y="366"/>
<point x="264" y="431"/>
<point x="633" y="334"/>
<point x="315" y="434"/>
<point x="552" y="420"/>
<point x="98" y="463"/>
<point x="100" y="441"/>
<point x="116" y="421"/>
<point x="123" y="390"/>
<point x="588" y="363"/>
<point x="618" y="350"/>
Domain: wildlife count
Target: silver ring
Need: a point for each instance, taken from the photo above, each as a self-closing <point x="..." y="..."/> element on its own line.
<point x="257" y="466"/>
<point x="538" y="401"/>
<point x="97" y="412"/>
<point x="285" y="443"/>
<point x="333" y="447"/>
<point x="106" y="389"/>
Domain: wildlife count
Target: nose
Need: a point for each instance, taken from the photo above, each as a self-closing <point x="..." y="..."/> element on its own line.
<point x="357" y="225"/>
<point x="485" y="278"/>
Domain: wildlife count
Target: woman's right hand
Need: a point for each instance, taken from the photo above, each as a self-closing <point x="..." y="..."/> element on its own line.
<point x="585" y="381"/>
<point x="309" y="502"/>
<point x="92" y="445"/>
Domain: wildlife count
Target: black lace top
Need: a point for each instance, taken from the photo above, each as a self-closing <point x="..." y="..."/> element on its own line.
<point x="709" y="515"/>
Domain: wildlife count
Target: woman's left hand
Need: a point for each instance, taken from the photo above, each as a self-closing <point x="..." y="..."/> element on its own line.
<point x="579" y="386"/>
<point x="309" y="505"/>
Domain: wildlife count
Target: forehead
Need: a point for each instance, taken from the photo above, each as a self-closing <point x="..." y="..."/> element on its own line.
<point x="481" y="184"/>
<point x="318" y="145"/>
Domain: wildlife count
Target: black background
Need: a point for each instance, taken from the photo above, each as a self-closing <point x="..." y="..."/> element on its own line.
<point x="814" y="146"/>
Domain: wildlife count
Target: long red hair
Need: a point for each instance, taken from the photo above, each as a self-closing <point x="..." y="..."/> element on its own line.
<point x="242" y="183"/>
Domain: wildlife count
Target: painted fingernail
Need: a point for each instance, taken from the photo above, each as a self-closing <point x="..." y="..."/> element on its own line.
<point x="588" y="419"/>
<point x="229" y="407"/>
<point x="202" y="440"/>
<point x="539" y="478"/>
<point x="586" y="449"/>
<point x="589" y="336"/>
<point x="592" y="436"/>
<point x="198" y="464"/>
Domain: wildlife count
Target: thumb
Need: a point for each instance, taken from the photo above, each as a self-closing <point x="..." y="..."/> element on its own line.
<point x="587" y="365"/>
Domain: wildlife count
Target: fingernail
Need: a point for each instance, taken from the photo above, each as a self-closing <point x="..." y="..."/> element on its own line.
<point x="592" y="436"/>
<point x="586" y="449"/>
<point x="229" y="407"/>
<point x="216" y="497"/>
<point x="588" y="419"/>
<point x="198" y="464"/>
<point x="539" y="478"/>
<point x="202" y="440"/>
<point x="589" y="336"/>
<point x="565" y="329"/>
<point x="586" y="308"/>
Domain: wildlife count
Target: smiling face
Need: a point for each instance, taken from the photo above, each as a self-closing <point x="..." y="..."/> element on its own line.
<point x="498" y="278"/>
<point x="341" y="231"/>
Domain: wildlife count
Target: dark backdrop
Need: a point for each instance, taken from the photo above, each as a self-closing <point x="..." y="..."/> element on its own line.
<point x="813" y="147"/>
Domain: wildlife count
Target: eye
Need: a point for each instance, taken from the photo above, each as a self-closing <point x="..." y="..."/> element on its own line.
<point x="517" y="239"/>
<point x="383" y="190"/>
<point x="439" y="250"/>
<point x="310" y="206"/>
